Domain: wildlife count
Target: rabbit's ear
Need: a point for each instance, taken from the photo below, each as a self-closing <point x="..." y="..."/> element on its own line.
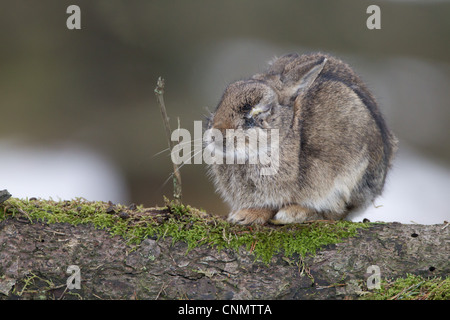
<point x="299" y="78"/>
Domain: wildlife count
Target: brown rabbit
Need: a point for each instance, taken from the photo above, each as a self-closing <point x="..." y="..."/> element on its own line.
<point x="334" y="147"/>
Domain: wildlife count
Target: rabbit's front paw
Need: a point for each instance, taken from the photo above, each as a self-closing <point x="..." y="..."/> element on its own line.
<point x="295" y="214"/>
<point x="251" y="216"/>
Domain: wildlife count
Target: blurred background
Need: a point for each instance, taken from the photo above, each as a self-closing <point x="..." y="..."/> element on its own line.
<point x="79" y="118"/>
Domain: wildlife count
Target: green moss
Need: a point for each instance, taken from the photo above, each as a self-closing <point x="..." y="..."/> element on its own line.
<point x="184" y="223"/>
<point x="412" y="288"/>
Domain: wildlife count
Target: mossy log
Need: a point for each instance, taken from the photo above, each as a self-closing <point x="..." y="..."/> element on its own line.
<point x="35" y="255"/>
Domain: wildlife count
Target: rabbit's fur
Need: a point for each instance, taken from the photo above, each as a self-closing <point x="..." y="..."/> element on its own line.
<point x="334" y="146"/>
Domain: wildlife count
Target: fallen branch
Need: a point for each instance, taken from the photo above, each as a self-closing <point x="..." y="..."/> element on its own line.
<point x="172" y="264"/>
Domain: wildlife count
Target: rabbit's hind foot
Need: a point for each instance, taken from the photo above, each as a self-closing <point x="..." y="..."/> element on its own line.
<point x="295" y="214"/>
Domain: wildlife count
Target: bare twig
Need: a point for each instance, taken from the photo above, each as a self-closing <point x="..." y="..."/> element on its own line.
<point x="334" y="285"/>
<point x="159" y="91"/>
<point x="163" y="287"/>
<point x="62" y="295"/>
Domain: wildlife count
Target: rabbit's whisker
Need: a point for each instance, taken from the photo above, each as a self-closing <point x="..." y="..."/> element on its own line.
<point x="180" y="144"/>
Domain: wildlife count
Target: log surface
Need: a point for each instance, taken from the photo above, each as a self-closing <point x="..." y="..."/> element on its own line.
<point x="34" y="258"/>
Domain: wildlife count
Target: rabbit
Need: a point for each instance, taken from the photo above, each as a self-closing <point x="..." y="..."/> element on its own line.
<point x="334" y="146"/>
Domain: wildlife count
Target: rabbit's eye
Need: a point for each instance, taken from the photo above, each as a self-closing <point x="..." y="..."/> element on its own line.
<point x="246" y="107"/>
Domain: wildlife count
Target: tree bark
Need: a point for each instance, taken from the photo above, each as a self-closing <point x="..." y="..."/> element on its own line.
<point x="34" y="258"/>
